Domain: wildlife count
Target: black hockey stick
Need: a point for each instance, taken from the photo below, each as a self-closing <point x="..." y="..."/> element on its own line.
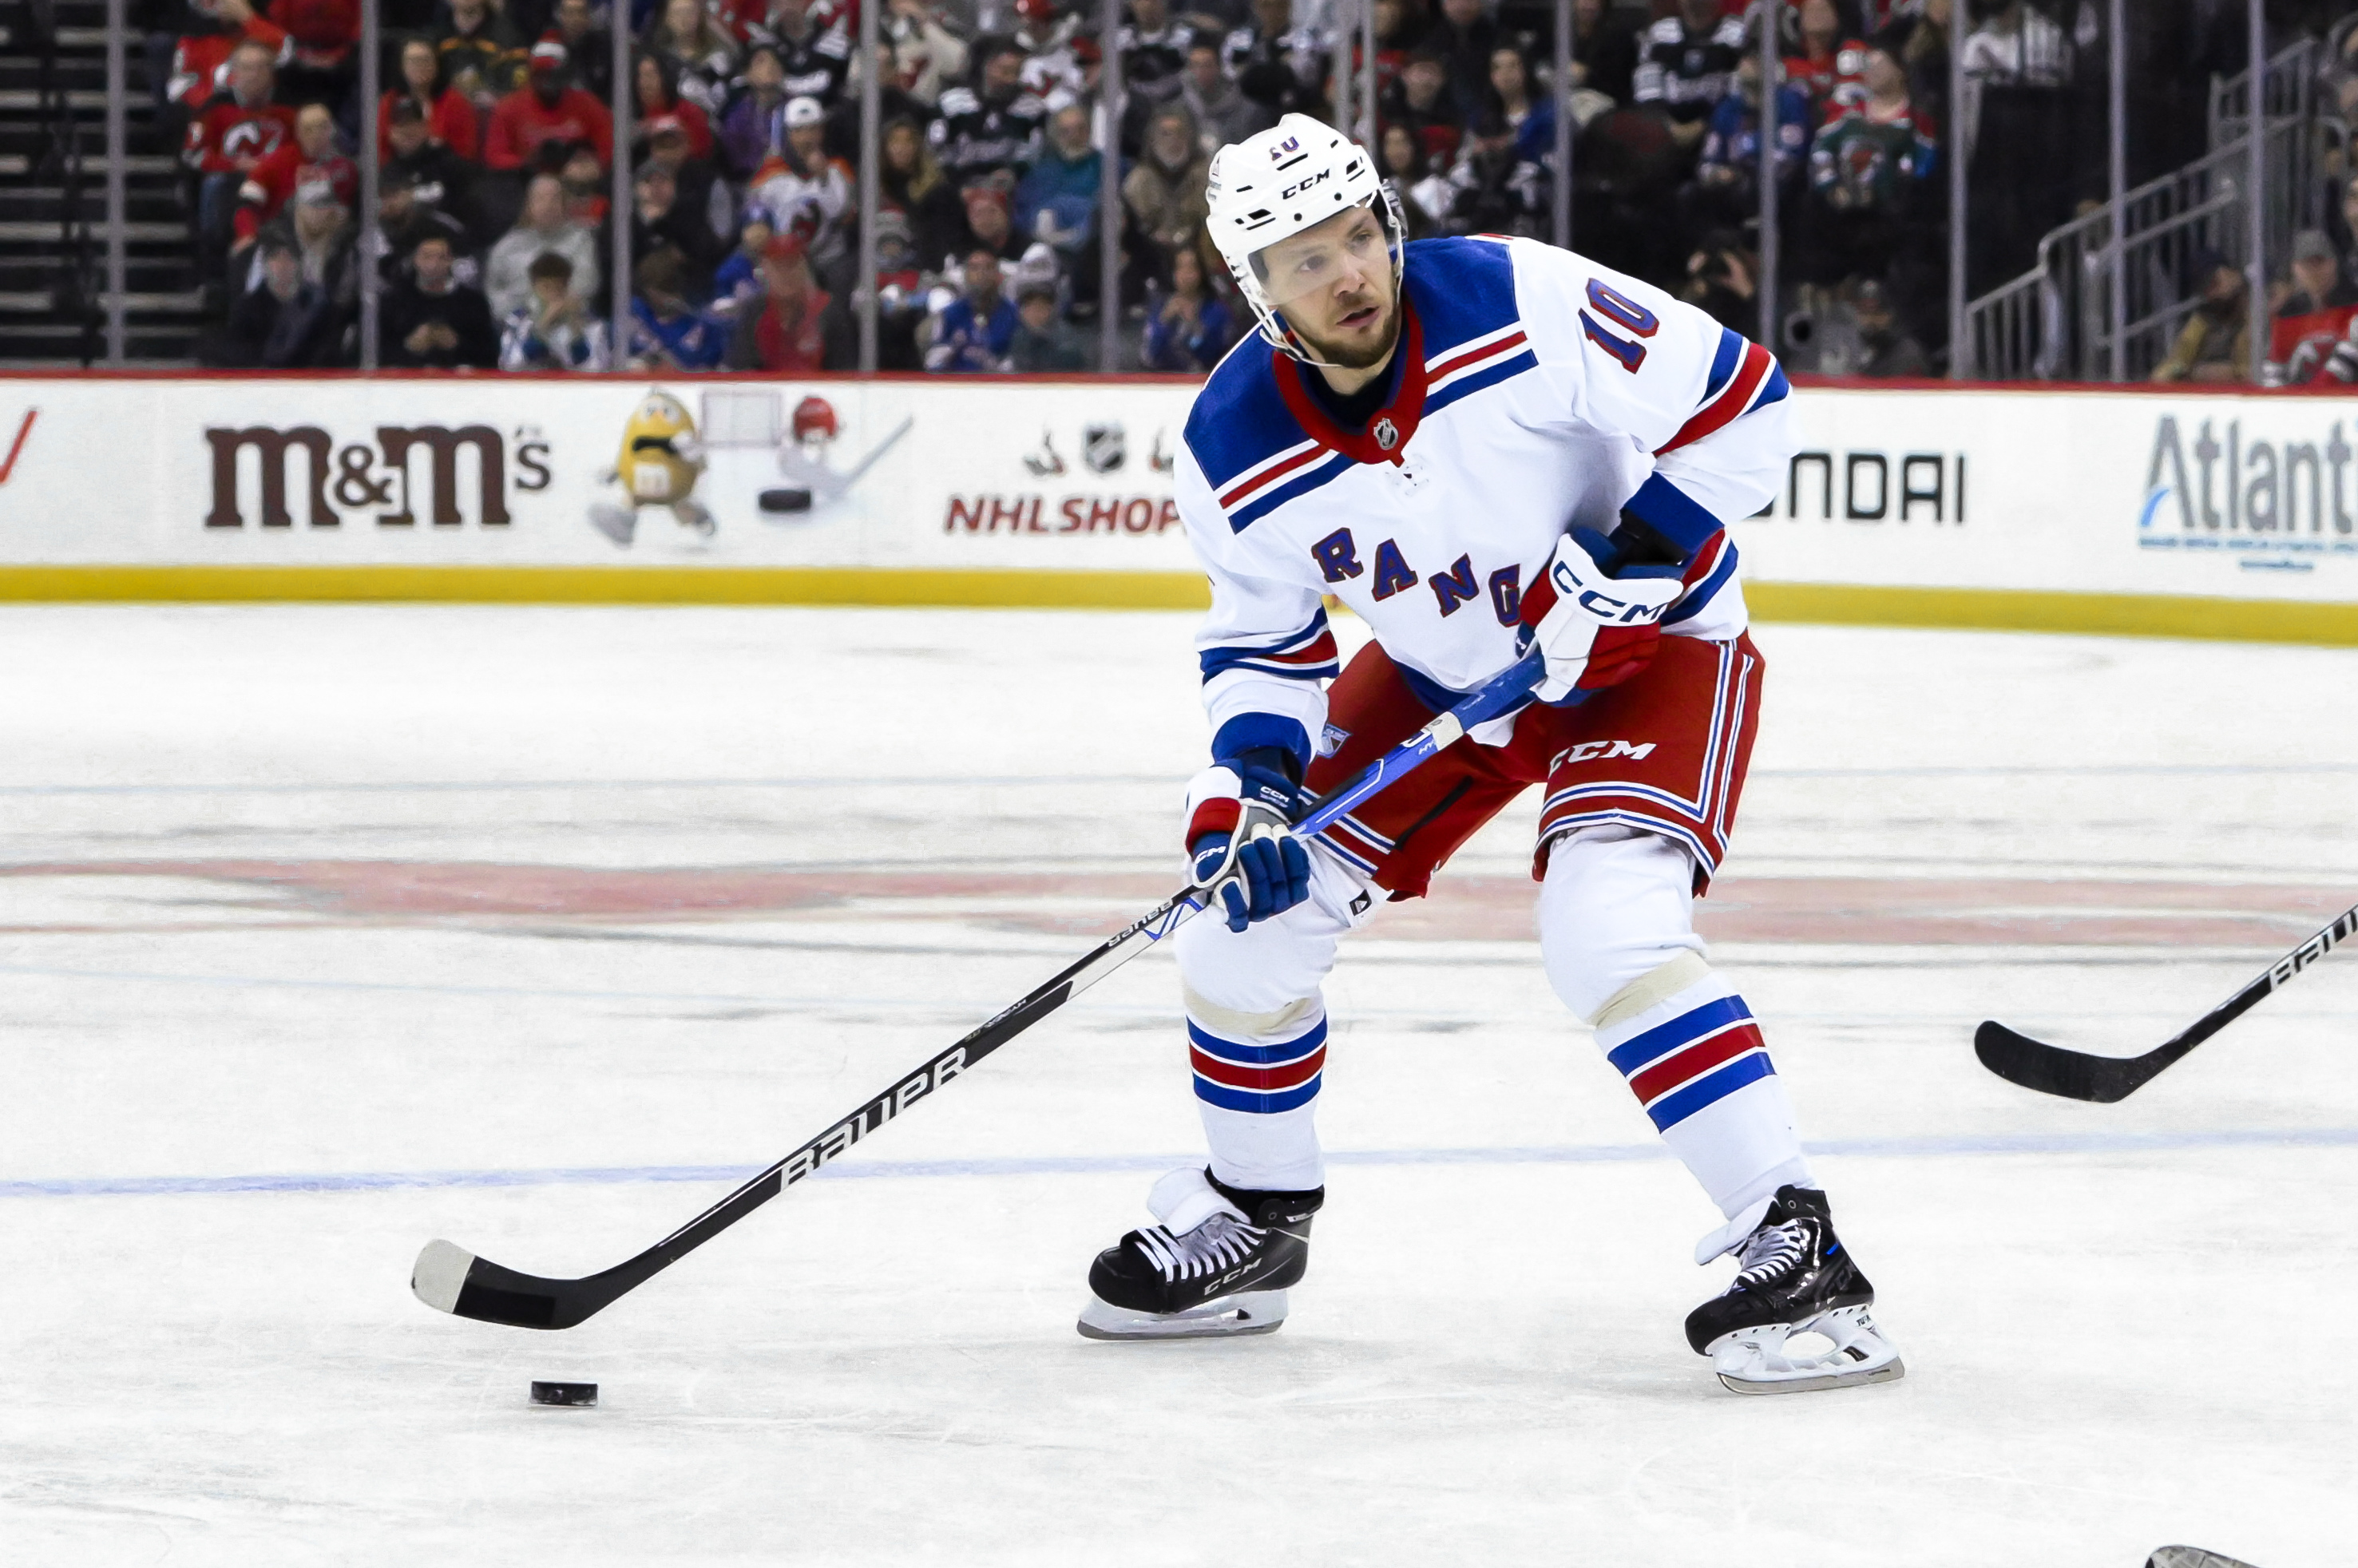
<point x="450" y="1279"/>
<point x="2052" y="1070"/>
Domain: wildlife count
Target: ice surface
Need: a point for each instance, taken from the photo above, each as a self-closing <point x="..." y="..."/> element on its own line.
<point x="328" y="931"/>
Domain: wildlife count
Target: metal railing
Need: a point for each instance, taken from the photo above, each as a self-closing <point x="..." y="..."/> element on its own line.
<point x="2055" y="321"/>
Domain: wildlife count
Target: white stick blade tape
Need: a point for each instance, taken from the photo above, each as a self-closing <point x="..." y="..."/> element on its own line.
<point x="441" y="1270"/>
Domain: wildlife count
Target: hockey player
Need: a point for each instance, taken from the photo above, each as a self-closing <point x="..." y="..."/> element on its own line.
<point x="1477" y="445"/>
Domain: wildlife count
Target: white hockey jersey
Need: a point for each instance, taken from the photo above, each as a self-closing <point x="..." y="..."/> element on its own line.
<point x="1535" y="391"/>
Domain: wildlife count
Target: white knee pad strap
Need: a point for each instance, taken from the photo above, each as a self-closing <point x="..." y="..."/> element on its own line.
<point x="1283" y="1023"/>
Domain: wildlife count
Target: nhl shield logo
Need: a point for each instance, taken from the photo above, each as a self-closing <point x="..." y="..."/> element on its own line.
<point x="1103" y="448"/>
<point x="1387" y="434"/>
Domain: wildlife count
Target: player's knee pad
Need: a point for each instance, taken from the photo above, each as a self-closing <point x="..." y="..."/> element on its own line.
<point x="1272" y="965"/>
<point x="1616" y="911"/>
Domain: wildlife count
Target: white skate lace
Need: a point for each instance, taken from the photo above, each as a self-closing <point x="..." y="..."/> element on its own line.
<point x="1219" y="1243"/>
<point x="1771" y="1252"/>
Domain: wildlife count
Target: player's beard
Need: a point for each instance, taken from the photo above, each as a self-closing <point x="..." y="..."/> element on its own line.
<point x="1351" y="358"/>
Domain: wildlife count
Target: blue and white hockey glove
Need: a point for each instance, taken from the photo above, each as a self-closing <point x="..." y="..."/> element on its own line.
<point x="1597" y="616"/>
<point x="1238" y="838"/>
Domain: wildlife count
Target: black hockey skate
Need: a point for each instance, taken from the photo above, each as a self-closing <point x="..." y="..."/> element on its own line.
<point x="1794" y="1276"/>
<point x="1217" y="1265"/>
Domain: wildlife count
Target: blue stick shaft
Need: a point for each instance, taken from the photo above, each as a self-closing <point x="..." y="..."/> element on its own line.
<point x="1500" y="693"/>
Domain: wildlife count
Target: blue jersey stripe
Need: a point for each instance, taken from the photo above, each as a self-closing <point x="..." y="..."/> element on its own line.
<point x="1490" y="376"/>
<point x="1269" y="500"/>
<point x="1723" y="362"/>
<point x="1699" y="597"/>
<point x="1673" y="513"/>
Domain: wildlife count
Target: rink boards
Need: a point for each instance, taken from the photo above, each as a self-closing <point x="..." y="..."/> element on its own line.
<point x="2169" y="513"/>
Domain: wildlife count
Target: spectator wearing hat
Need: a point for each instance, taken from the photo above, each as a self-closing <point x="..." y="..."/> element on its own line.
<point x="436" y="177"/>
<point x="483" y="56"/>
<point x="698" y="54"/>
<point x="286" y="321"/>
<point x="660" y="220"/>
<point x="553" y="330"/>
<point x="430" y="320"/>
<point x="1871" y="176"/>
<point x="543" y="228"/>
<point x="793" y="327"/>
<point x="2215" y="343"/>
<point x="449" y="118"/>
<point x="993" y="124"/>
<point x="1189" y="327"/>
<point x="666" y="331"/>
<point x="403" y="220"/>
<point x="546" y="118"/>
<point x="1886" y="348"/>
<point x="753" y="123"/>
<point x="588" y="47"/>
<point x="1043" y="343"/>
<point x="701" y="190"/>
<point x="657" y="81"/>
<point x="976" y="329"/>
<point x="2312" y="315"/>
<point x="990" y="221"/>
<point x="803" y="191"/>
<point x="310" y="159"/>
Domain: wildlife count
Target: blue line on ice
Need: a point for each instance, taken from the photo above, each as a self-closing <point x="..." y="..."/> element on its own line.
<point x="1097" y="1164"/>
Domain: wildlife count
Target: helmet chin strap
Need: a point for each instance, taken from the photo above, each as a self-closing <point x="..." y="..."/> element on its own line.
<point x="1299" y="346"/>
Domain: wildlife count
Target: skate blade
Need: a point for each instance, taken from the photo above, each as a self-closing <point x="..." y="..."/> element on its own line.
<point x="1230" y="1317"/>
<point x="1754" y="1360"/>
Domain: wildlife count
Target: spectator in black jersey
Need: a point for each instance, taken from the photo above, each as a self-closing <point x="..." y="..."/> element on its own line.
<point x="661" y="221"/>
<point x="992" y="124"/>
<point x="432" y="321"/>
<point x="893" y="101"/>
<point x="286" y="321"/>
<point x="911" y="181"/>
<point x="816" y="58"/>
<point x="437" y="176"/>
<point x="1686" y="65"/>
<point x="1153" y="53"/>
<point x="1275" y="63"/>
<point x="404" y="220"/>
<point x="702" y="54"/>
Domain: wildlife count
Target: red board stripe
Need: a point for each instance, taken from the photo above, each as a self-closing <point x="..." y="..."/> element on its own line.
<point x="1693" y="1061"/>
<point x="1236" y="1076"/>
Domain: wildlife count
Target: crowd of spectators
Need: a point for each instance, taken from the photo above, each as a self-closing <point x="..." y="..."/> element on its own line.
<point x="494" y="236"/>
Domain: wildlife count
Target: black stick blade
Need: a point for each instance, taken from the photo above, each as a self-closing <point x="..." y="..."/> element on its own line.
<point x="450" y="1279"/>
<point x="2050" y="1069"/>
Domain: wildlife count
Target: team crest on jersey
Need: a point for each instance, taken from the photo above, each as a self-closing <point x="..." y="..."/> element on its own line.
<point x="1103" y="448"/>
<point x="1387" y="434"/>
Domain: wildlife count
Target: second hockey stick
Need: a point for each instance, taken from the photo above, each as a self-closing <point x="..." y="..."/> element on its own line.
<point x="2051" y="1069"/>
<point x="450" y="1279"/>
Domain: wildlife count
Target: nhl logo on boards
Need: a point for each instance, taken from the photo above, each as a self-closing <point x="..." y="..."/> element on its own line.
<point x="1103" y="448"/>
<point x="1387" y="434"/>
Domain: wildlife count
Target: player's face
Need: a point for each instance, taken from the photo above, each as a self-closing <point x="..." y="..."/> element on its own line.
<point x="1333" y="283"/>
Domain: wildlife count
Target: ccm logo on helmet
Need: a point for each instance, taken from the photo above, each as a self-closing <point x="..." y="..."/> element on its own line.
<point x="1292" y="191"/>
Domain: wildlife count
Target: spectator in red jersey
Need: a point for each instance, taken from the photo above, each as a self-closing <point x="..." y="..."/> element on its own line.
<point x="236" y="131"/>
<point x="658" y="81"/>
<point x="2312" y="313"/>
<point x="449" y="118"/>
<point x="548" y="118"/>
<point x="1828" y="66"/>
<point x="200" y="63"/>
<point x="309" y="158"/>
<point x="794" y="326"/>
<point x="324" y="34"/>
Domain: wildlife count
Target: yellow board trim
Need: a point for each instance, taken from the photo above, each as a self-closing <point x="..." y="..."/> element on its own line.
<point x="2100" y="614"/>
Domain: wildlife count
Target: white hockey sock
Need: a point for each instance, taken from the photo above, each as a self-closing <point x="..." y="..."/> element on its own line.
<point x="1259" y="1098"/>
<point x="1696" y="1062"/>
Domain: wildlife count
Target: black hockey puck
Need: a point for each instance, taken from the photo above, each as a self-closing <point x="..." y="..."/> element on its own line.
<point x="786" y="501"/>
<point x="564" y="1393"/>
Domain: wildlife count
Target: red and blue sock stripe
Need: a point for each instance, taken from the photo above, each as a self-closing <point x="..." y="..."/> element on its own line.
<point x="1259" y="1078"/>
<point x="1694" y="1060"/>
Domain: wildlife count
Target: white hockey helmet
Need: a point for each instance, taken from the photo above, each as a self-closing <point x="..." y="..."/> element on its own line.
<point x="1277" y="182"/>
